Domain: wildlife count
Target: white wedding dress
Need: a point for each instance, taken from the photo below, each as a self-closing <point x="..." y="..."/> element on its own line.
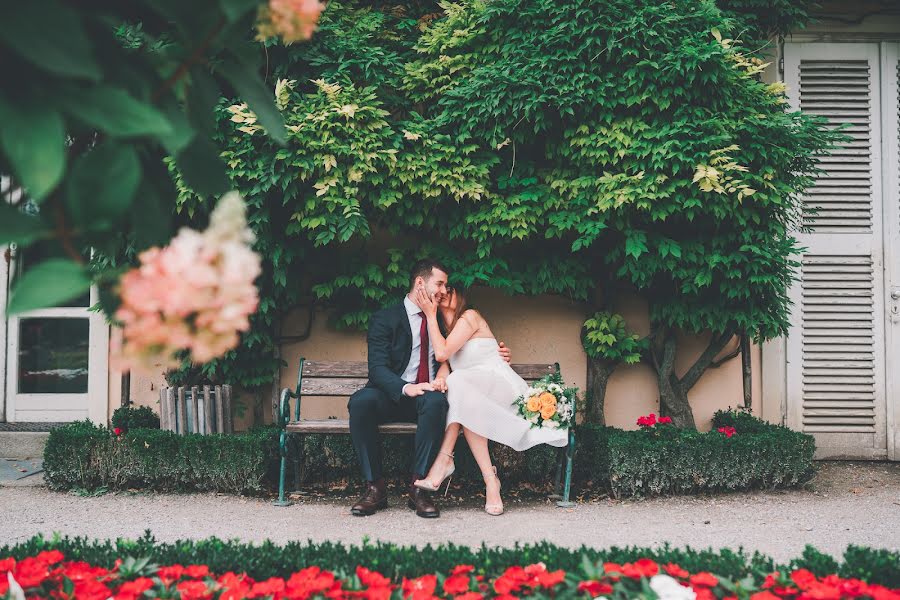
<point x="481" y="392"/>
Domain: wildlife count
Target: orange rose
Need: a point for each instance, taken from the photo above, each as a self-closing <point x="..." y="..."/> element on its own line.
<point x="547" y="412"/>
<point x="533" y="404"/>
<point x="548" y="400"/>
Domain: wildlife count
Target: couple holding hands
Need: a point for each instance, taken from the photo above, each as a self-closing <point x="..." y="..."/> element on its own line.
<point x="435" y="362"/>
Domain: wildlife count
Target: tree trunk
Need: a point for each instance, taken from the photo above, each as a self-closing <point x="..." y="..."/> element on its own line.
<point x="598" y="374"/>
<point x="673" y="400"/>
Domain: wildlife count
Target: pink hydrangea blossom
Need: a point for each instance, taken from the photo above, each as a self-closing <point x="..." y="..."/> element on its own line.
<point x="292" y="20"/>
<point x="197" y="293"/>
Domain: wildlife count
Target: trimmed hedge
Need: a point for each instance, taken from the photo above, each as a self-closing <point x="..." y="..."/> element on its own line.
<point x="668" y="460"/>
<point x="84" y="456"/>
<point x="271" y="560"/>
<point x="624" y="463"/>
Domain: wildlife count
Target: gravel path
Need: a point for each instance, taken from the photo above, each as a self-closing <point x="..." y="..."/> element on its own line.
<point x="856" y="503"/>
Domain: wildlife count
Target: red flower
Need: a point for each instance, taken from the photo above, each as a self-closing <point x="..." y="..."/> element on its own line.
<point x="664" y="420"/>
<point x="91" y="589"/>
<point x="80" y="570"/>
<point x="170" y="573"/>
<point x="595" y="588"/>
<point x="704" y="594"/>
<point x="378" y="593"/>
<point x="311" y="581"/>
<point x="193" y="590"/>
<point x="196" y="571"/>
<point x="273" y="586"/>
<point x="703" y="579"/>
<point x="117" y="431"/>
<point x="7" y="564"/>
<point x="30" y="572"/>
<point x="235" y="587"/>
<point x="372" y="578"/>
<point x="456" y="584"/>
<point x="643" y="567"/>
<point x="879" y="592"/>
<point x="421" y="588"/>
<point x="803" y="578"/>
<point x="470" y="596"/>
<point x="647" y="420"/>
<point x="131" y="590"/>
<point x="675" y="571"/>
<point x="549" y="579"/>
<point x="764" y="596"/>
<point x="613" y="570"/>
<point x="462" y="570"/>
<point x="728" y="430"/>
<point x="50" y="557"/>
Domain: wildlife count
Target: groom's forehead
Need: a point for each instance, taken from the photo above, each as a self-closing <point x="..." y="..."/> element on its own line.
<point x="437" y="274"/>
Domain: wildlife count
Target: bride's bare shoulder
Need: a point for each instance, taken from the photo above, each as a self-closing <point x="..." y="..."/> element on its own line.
<point x="474" y="318"/>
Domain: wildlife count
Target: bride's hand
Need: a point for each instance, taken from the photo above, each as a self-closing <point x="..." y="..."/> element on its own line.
<point x="440" y="384"/>
<point x="426" y="302"/>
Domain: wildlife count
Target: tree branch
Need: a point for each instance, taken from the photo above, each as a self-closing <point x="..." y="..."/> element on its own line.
<point x="706" y="359"/>
<point x="195" y="58"/>
<point x="718" y="363"/>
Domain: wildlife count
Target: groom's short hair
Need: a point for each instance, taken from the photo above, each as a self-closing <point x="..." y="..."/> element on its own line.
<point x="423" y="269"/>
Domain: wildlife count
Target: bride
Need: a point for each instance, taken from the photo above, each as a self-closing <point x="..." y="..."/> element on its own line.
<point x="481" y="390"/>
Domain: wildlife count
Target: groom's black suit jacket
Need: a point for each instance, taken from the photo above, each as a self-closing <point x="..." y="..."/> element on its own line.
<point x="390" y="345"/>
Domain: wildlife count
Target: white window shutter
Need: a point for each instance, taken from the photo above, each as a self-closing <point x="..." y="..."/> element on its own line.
<point x="835" y="349"/>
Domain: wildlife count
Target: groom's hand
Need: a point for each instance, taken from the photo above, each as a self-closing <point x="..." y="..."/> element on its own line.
<point x="504" y="352"/>
<point x="417" y="389"/>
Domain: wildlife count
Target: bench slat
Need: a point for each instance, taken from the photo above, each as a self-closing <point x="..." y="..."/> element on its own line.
<point x="343" y="426"/>
<point x="327" y="386"/>
<point x="360" y="370"/>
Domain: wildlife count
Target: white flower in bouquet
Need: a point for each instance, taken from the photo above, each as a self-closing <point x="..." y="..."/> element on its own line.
<point x="551" y="424"/>
<point x="668" y="588"/>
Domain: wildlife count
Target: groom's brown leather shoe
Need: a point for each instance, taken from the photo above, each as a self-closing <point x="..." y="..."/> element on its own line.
<point x="372" y="501"/>
<point x="420" y="501"/>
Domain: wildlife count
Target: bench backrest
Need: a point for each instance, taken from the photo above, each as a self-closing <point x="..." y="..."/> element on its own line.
<point x="331" y="378"/>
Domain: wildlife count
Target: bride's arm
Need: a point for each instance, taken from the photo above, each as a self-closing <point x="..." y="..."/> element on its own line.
<point x="443" y="347"/>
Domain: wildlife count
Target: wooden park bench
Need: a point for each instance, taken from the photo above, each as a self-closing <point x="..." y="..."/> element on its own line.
<point x="341" y="379"/>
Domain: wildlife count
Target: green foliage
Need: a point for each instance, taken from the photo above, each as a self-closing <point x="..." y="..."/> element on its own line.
<point x="127" y="418"/>
<point x="669" y="460"/>
<point x="84" y="456"/>
<point x="604" y="336"/>
<point x="94" y="97"/>
<point x="261" y="561"/>
<point x="537" y="147"/>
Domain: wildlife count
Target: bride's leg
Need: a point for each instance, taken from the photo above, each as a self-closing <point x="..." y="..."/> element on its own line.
<point x="478" y="444"/>
<point x="442" y="461"/>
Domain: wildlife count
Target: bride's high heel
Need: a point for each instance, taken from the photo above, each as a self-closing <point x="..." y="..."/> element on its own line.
<point x="492" y="509"/>
<point x="425" y="484"/>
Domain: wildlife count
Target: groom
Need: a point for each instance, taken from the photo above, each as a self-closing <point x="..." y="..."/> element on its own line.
<point x="401" y="369"/>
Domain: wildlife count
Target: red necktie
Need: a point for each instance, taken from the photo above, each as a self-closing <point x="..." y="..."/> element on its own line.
<point x="424" y="374"/>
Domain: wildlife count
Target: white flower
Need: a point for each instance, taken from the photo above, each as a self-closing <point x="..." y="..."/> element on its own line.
<point x="668" y="588"/>
<point x="15" y="590"/>
<point x="533" y="418"/>
<point x="551" y="424"/>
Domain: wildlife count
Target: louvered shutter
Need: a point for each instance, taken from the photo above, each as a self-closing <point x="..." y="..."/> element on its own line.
<point x="836" y="360"/>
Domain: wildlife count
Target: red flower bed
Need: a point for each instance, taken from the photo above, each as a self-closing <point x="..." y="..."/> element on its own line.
<point x="49" y="575"/>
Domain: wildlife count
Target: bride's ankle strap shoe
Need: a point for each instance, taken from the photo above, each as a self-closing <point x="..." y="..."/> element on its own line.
<point x="492" y="509"/>
<point x="426" y="484"/>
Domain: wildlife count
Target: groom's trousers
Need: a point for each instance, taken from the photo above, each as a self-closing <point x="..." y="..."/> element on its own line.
<point x="370" y="407"/>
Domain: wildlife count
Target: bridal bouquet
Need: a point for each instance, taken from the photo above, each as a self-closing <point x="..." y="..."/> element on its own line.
<point x="548" y="403"/>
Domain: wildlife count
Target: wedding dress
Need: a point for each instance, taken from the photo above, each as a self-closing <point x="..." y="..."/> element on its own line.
<point x="481" y="391"/>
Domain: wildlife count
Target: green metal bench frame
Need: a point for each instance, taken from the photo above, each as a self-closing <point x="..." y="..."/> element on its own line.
<point x="341" y="379"/>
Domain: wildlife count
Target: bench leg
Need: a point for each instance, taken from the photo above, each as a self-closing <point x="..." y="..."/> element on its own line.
<point x="557" y="481"/>
<point x="570" y="454"/>
<point x="282" y="444"/>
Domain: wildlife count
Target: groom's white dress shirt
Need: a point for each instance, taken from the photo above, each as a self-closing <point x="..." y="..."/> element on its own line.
<point x="415" y="325"/>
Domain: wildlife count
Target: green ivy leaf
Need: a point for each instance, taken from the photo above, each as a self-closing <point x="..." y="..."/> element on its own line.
<point x="201" y="167"/>
<point x="261" y="99"/>
<point x="48" y="284"/>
